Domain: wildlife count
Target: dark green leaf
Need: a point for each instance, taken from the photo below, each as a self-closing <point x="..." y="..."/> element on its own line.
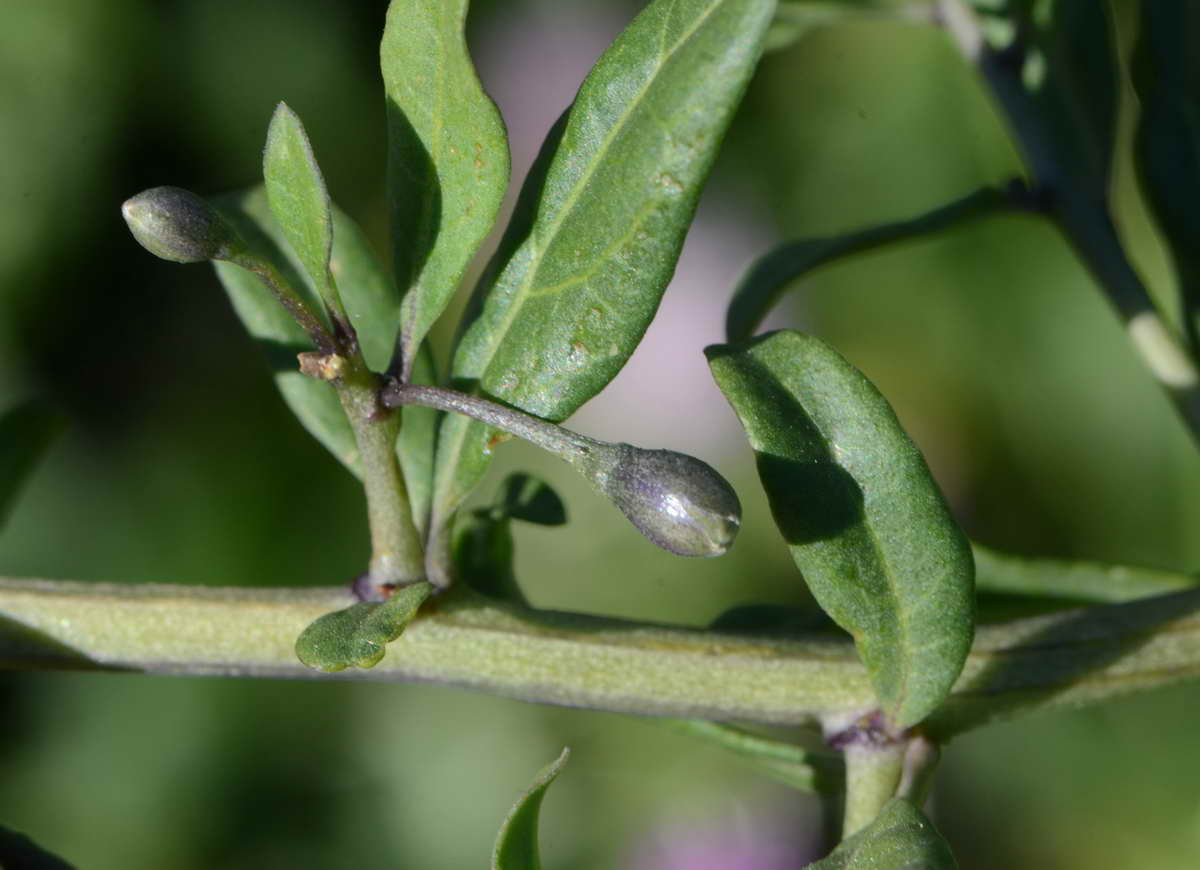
<point x="866" y="524"/>
<point x="18" y="852"/>
<point x="357" y="637"/>
<point x="524" y="497"/>
<point x="767" y="279"/>
<point x="1074" y="580"/>
<point x="575" y="298"/>
<point x="298" y="199"/>
<point x="1166" y="73"/>
<point x="369" y="296"/>
<point x="796" y="19"/>
<point x="25" y="433"/>
<point x="900" y="838"/>
<point x="448" y="158"/>
<point x="483" y="542"/>
<point x="517" y="843"/>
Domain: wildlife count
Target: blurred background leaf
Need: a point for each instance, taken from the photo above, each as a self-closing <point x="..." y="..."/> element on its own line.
<point x="1000" y="358"/>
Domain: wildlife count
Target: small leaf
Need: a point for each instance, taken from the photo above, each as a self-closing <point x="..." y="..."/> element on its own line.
<point x="866" y="524"/>
<point x="483" y="542"/>
<point x="900" y="838"/>
<point x="792" y="765"/>
<point x="299" y="201"/>
<point x="1069" y="579"/>
<point x="574" y="300"/>
<point x="25" y="432"/>
<point x="370" y="298"/>
<point x="760" y="288"/>
<point x="517" y="843"/>
<point x="448" y="160"/>
<point x="524" y="497"/>
<point x="358" y="636"/>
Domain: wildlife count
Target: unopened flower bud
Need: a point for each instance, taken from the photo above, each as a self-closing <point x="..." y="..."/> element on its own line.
<point x="677" y="501"/>
<point x="178" y="225"/>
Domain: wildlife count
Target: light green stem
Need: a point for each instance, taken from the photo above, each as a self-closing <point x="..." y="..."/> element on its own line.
<point x="1062" y="660"/>
<point x="872" y="777"/>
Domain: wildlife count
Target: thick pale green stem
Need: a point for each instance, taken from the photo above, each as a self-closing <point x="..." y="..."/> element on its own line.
<point x="396" y="554"/>
<point x="1066" y="659"/>
<point x="872" y="777"/>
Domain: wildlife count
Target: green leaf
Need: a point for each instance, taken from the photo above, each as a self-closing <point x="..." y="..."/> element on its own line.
<point x="766" y="280"/>
<point x="1166" y="74"/>
<point x="1080" y="581"/>
<point x="795" y="20"/>
<point x="866" y="524"/>
<point x="792" y="765"/>
<point x="18" y="852"/>
<point x="25" y="432"/>
<point x="517" y="843"/>
<point x="299" y="201"/>
<point x="370" y="299"/>
<point x="575" y="298"/>
<point x="483" y="541"/>
<point x="417" y="442"/>
<point x="900" y="838"/>
<point x="448" y="160"/>
<point x="358" y="636"/>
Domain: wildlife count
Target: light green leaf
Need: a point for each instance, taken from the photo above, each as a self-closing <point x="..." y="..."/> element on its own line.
<point x="792" y="765"/>
<point x="866" y="524"/>
<point x="1069" y="579"/>
<point x="357" y="637"/>
<point x="299" y="201"/>
<point x="369" y="295"/>
<point x="417" y="441"/>
<point x="26" y="430"/>
<point x="900" y="838"/>
<point x="768" y="278"/>
<point x="1166" y="74"/>
<point x="796" y="19"/>
<point x="575" y="298"/>
<point x="517" y="843"/>
<point x="448" y="160"/>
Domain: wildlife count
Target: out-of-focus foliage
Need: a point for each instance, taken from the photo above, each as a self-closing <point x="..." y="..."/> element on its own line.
<point x="1001" y="360"/>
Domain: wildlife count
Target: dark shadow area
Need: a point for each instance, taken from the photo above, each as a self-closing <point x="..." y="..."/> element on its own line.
<point x="811" y="501"/>
<point x="18" y="852"/>
<point x="1064" y="653"/>
<point x="415" y="198"/>
<point x="30" y="649"/>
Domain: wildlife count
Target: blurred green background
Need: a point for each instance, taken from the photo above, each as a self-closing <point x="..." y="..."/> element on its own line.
<point x="182" y="464"/>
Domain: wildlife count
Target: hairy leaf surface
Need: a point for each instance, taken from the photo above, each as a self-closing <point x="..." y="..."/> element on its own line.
<point x="866" y="524"/>
<point x="575" y="298"/>
<point x="448" y="160"/>
<point x="900" y="838"/>
<point x="357" y="637"/>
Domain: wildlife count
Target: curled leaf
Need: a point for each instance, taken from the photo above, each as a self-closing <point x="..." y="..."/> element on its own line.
<point x="358" y="636"/>
<point x="517" y="843"/>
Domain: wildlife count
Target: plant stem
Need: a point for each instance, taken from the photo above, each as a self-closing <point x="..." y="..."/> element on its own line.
<point x="561" y="442"/>
<point x="301" y="312"/>
<point x="1066" y="659"/>
<point x="396" y="554"/>
<point x="872" y="776"/>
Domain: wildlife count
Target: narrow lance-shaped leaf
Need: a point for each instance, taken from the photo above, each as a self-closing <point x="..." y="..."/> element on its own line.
<point x="25" y="432"/>
<point x="300" y="202"/>
<point x="866" y="524"/>
<point x="766" y="280"/>
<point x="417" y="443"/>
<point x="576" y="297"/>
<point x="900" y="838"/>
<point x="517" y="843"/>
<point x="448" y="160"/>
<point x="370" y="298"/>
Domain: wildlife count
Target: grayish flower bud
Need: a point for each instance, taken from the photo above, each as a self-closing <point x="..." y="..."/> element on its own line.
<point x="677" y="501"/>
<point x="178" y="225"/>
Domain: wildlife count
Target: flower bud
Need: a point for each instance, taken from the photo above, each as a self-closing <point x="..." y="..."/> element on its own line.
<point x="678" y="502"/>
<point x="178" y="225"/>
